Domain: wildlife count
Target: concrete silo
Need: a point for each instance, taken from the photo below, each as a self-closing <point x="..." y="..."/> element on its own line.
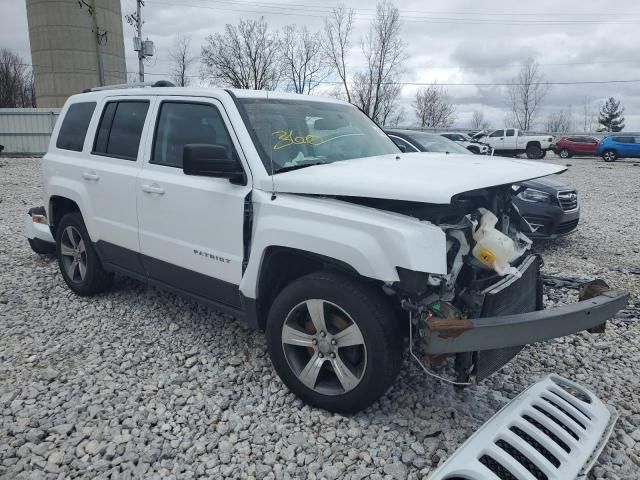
<point x="66" y="53"/>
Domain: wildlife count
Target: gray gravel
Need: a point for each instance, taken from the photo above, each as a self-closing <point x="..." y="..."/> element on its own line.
<point x="138" y="382"/>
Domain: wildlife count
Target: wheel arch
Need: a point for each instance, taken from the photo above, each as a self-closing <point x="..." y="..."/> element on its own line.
<point x="533" y="143"/>
<point x="59" y="206"/>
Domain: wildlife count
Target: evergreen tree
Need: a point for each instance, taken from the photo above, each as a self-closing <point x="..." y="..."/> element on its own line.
<point x="611" y="115"/>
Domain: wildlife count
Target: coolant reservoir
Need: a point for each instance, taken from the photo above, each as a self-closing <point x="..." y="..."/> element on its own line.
<point x="493" y="248"/>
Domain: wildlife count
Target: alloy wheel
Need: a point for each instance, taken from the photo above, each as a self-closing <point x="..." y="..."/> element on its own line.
<point x="324" y="347"/>
<point x="74" y="254"/>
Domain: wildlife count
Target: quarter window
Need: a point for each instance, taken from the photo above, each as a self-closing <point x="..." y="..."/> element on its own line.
<point x="74" y="126"/>
<point x="182" y="123"/>
<point x="120" y="129"/>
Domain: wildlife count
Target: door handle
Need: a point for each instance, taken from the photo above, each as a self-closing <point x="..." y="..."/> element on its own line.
<point x="91" y="176"/>
<point x="152" y="188"/>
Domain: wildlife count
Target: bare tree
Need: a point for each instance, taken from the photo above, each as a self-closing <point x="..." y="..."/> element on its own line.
<point x="560" y="121"/>
<point x="337" y="42"/>
<point x="244" y="56"/>
<point x="478" y="121"/>
<point x="304" y="66"/>
<point x="589" y="116"/>
<point x="376" y="88"/>
<point x="433" y="107"/>
<point x="181" y="60"/>
<point x="16" y="81"/>
<point x="525" y="93"/>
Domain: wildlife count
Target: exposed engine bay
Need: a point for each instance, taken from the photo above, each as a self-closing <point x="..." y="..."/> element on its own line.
<point x="491" y="271"/>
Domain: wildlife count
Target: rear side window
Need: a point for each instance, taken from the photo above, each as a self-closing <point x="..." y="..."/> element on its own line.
<point x="511" y="132"/>
<point x="120" y="129"/>
<point x="74" y="126"/>
<point x="182" y="123"/>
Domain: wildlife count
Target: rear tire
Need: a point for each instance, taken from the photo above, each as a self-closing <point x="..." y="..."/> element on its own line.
<point x="78" y="261"/>
<point x="310" y="350"/>
<point x="534" y="152"/>
<point x="609" y="156"/>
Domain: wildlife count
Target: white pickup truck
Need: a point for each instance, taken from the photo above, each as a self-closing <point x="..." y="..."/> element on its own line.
<point x="300" y="216"/>
<point x="511" y="141"/>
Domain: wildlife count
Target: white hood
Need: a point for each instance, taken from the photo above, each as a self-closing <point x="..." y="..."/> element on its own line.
<point x="420" y="177"/>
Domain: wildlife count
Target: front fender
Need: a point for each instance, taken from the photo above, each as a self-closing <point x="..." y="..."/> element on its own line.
<point x="373" y="242"/>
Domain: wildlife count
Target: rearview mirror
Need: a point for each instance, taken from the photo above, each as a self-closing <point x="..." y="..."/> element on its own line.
<point x="207" y="160"/>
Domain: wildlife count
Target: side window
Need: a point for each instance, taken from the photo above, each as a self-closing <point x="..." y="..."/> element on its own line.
<point x="120" y="129"/>
<point x="497" y="133"/>
<point x="181" y="123"/>
<point x="511" y="132"/>
<point x="74" y="126"/>
<point x="408" y="148"/>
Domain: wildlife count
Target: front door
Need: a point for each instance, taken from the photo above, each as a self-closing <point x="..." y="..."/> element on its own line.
<point x="496" y="139"/>
<point x="191" y="227"/>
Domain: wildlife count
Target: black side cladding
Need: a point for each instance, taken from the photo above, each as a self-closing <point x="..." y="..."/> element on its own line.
<point x="507" y="297"/>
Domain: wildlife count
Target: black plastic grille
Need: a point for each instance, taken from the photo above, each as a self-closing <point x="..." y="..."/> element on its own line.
<point x="563" y="410"/>
<point x="547" y="432"/>
<point x="537" y="445"/>
<point x="522" y="459"/>
<point x="497" y="468"/>
<point x="557" y="421"/>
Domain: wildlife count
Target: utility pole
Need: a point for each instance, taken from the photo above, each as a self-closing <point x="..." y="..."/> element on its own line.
<point x="139" y="30"/>
<point x="100" y="37"/>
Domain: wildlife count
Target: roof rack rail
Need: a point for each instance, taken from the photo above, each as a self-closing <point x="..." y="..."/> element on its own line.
<point x="158" y="83"/>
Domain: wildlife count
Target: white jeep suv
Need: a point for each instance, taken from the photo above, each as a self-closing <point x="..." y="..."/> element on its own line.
<point x="300" y="216"/>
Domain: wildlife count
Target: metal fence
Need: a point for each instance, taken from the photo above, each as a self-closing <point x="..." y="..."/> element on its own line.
<point x="26" y="131"/>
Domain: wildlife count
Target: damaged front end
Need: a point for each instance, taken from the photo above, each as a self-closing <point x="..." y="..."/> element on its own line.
<point x="490" y="303"/>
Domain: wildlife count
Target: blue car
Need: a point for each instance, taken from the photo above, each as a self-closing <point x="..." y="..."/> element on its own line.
<point x="619" y="146"/>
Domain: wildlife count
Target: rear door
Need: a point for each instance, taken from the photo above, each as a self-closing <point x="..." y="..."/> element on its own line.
<point x="110" y="175"/>
<point x="191" y="227"/>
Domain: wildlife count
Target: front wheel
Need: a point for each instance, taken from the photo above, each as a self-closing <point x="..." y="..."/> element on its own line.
<point x="564" y="153"/>
<point x="609" y="156"/>
<point x="78" y="261"/>
<point x="334" y="342"/>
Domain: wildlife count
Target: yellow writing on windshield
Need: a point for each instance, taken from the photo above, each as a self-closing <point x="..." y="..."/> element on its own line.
<point x="286" y="139"/>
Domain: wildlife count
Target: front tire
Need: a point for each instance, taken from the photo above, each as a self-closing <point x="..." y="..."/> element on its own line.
<point x="564" y="153"/>
<point x="609" y="156"/>
<point x="334" y="342"/>
<point x="77" y="259"/>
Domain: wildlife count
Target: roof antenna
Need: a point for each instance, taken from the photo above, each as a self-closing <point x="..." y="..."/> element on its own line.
<point x="273" y="181"/>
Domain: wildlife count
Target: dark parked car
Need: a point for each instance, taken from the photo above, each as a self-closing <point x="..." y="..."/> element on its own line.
<point x="581" y="145"/>
<point x="619" y="146"/>
<point x="549" y="205"/>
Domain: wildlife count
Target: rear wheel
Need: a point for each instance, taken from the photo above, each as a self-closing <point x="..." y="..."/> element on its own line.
<point x="534" y="152"/>
<point x="334" y="342"/>
<point x="77" y="259"/>
<point x="609" y="156"/>
<point x="564" y="153"/>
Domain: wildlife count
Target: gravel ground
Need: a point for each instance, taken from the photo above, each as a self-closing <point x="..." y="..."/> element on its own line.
<point x="138" y="382"/>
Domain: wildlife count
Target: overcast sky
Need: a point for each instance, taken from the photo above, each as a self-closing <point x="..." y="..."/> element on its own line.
<point x="448" y="41"/>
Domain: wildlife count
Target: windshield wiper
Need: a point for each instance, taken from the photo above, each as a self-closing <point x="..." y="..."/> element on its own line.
<point x="298" y="167"/>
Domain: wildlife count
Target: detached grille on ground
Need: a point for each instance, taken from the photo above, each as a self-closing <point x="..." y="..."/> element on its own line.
<point x="546" y="433"/>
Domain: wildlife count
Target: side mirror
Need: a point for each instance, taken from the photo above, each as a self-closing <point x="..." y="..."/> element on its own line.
<point x="207" y="160"/>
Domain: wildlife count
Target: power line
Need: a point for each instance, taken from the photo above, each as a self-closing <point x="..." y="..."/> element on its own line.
<point x="259" y="8"/>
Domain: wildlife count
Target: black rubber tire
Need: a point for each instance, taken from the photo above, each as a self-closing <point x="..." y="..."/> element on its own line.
<point x="534" y="152"/>
<point x="41" y="247"/>
<point x="375" y="319"/>
<point x="564" y="153"/>
<point x="613" y="155"/>
<point x="97" y="279"/>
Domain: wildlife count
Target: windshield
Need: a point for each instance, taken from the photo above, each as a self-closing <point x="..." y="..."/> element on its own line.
<point x="298" y="133"/>
<point x="436" y="143"/>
